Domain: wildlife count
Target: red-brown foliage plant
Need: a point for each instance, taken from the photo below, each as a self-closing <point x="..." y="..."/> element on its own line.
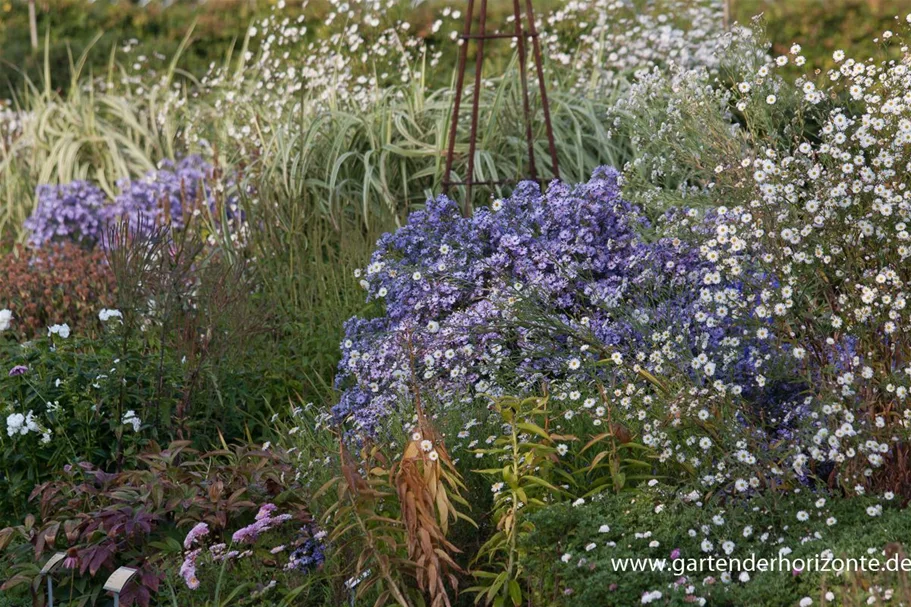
<point x="59" y="283"/>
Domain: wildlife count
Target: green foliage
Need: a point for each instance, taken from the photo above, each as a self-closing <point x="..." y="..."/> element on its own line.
<point x="824" y="26"/>
<point x="152" y="32"/>
<point x="74" y="389"/>
<point x="306" y="269"/>
<point x="588" y="576"/>
<point x="169" y="361"/>
<point x="543" y="468"/>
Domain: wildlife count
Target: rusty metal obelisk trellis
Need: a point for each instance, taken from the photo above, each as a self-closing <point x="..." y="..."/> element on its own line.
<point x="521" y="35"/>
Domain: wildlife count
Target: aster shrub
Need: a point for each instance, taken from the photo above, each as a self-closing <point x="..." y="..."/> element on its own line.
<point x="563" y="289"/>
<point x="71" y="212"/>
<point x="603" y="41"/>
<point x="831" y="213"/>
<point x="80" y="212"/>
<point x="444" y="284"/>
<point x="815" y="193"/>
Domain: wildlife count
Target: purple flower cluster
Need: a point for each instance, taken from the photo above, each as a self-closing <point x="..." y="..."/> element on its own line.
<point x="163" y="196"/>
<point x="533" y="287"/>
<point x="81" y="212"/>
<point x="311" y="554"/>
<point x="264" y="521"/>
<point x="72" y="212"/>
<point x="198" y="531"/>
<point x="188" y="569"/>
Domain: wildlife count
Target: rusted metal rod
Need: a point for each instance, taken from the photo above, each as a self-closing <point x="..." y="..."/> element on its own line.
<point x="526" y="107"/>
<point x="545" y="106"/>
<point x="493" y="36"/>
<point x="456" y="103"/>
<point x="521" y="35"/>
<point x="475" y="105"/>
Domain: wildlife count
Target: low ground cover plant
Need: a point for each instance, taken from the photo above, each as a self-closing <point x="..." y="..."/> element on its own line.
<point x="575" y="550"/>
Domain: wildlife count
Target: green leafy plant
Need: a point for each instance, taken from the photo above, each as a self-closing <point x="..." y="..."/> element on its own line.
<point x="525" y="481"/>
<point x="540" y="468"/>
<point x="61" y="401"/>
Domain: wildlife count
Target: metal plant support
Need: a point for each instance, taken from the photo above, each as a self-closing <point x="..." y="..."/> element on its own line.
<point x="521" y="35"/>
<point x="53" y="563"/>
<point x="117" y="581"/>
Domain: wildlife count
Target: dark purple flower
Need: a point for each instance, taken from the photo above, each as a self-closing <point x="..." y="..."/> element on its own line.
<point x="310" y="555"/>
<point x="18" y="370"/>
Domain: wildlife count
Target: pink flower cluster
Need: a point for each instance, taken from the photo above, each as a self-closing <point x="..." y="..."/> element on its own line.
<point x="188" y="569"/>
<point x="198" y="531"/>
<point x="264" y="521"/>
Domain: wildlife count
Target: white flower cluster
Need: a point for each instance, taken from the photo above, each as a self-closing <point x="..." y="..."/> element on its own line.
<point x="603" y="41"/>
<point x="107" y="314"/>
<point x="828" y="217"/>
<point x="12" y="122"/>
<point x="131" y="419"/>
<point x="63" y="331"/>
<point x="18" y="424"/>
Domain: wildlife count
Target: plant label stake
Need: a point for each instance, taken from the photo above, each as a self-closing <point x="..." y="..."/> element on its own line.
<point x="46" y="571"/>
<point x="117" y="581"/>
<point x="521" y="36"/>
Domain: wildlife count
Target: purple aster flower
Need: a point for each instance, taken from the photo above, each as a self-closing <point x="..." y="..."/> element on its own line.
<point x="81" y="212"/>
<point x="69" y="212"/>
